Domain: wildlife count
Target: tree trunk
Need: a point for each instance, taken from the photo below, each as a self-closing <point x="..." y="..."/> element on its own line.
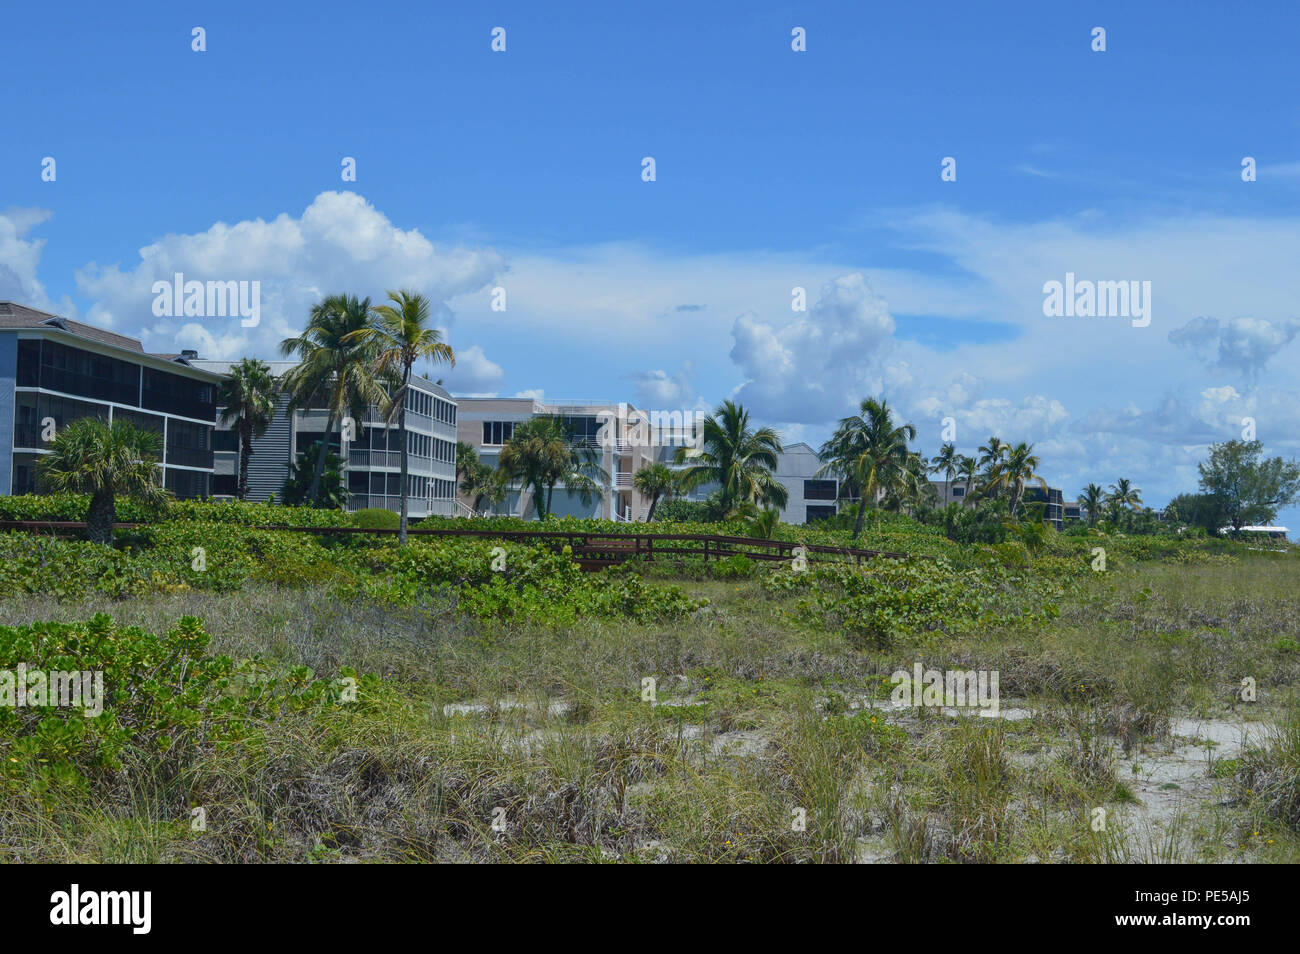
<point x="654" y="502"/>
<point x="101" y="517"/>
<point x="246" y="451"/>
<point x="401" y="427"/>
<point x="550" y="491"/>
<point x="319" y="469"/>
<point x="862" y="513"/>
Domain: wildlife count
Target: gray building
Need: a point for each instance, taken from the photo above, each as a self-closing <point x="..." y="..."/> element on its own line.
<point x="54" y="371"/>
<point x="370" y="448"/>
<point x="812" y="495"/>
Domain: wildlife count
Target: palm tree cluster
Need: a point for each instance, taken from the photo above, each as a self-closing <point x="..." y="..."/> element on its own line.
<point x="1119" y="502"/>
<point x="1001" y="471"/>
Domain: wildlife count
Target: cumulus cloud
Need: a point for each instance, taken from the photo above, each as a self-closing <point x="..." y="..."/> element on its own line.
<point x="816" y="366"/>
<point x="475" y="375"/>
<point x="340" y="243"/>
<point x="19" y="258"/>
<point x="1243" y="345"/>
<point x="659" y="390"/>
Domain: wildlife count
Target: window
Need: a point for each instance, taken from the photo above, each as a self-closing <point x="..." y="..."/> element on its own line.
<point x="31" y="410"/>
<point x="85" y="373"/>
<point x="189" y="444"/>
<point x="186" y="483"/>
<point x="820" y="512"/>
<point x="175" y="394"/>
<point x="819" y="489"/>
<point x="497" y="432"/>
<point x="959" y="491"/>
<point x="225" y="441"/>
<point x="224" y="485"/>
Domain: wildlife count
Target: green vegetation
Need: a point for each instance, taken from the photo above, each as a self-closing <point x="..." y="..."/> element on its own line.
<point x="350" y="698"/>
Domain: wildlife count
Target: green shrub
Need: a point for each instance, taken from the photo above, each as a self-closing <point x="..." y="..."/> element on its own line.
<point x="377" y="518"/>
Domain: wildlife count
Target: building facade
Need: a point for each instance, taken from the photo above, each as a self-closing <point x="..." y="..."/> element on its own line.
<point x="813" y="496"/>
<point x="623" y="439"/>
<point x="1056" y="509"/>
<point x="370" y="449"/>
<point x="54" y="371"/>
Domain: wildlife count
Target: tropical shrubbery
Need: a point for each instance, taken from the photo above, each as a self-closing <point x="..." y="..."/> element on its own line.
<point x="164" y="700"/>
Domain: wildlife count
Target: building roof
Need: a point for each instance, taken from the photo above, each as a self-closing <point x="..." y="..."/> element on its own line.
<point x="14" y="315"/>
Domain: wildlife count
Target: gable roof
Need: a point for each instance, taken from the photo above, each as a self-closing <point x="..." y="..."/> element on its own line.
<point x="14" y="315"/>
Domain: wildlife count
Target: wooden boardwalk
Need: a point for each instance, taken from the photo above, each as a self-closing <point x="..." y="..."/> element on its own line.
<point x="591" y="549"/>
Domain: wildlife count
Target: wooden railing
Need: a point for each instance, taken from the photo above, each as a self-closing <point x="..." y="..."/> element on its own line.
<point x="591" y="549"/>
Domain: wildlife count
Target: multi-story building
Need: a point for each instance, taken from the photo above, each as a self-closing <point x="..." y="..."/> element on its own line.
<point x="371" y="450"/>
<point x="622" y="438"/>
<point x="54" y="371"/>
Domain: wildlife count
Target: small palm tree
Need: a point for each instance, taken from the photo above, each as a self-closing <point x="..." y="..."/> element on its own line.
<point x="869" y="452"/>
<point x="399" y="335"/>
<point x="1017" y="467"/>
<point x="654" y="481"/>
<point x="91" y="457"/>
<point x="1123" y="497"/>
<point x="247" y="399"/>
<point x="946" y="462"/>
<point x="543" y="453"/>
<point x="483" y="484"/>
<point x="763" y="523"/>
<point x="967" y="469"/>
<point x="740" y="459"/>
<point x="330" y="493"/>
<point x="333" y="367"/>
<point x="1093" y="499"/>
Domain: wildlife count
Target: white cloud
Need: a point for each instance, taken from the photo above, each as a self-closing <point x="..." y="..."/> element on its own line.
<point x="339" y="243"/>
<point x="816" y="366"/>
<point x="474" y="375"/>
<point x="1237" y="344"/>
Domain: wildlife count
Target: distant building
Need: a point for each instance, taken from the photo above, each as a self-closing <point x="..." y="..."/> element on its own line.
<point x="1057" y="511"/>
<point x="813" y="496"/>
<point x="623" y="438"/>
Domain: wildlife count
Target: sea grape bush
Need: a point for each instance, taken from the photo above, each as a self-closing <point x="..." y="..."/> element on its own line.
<point x="165" y="699"/>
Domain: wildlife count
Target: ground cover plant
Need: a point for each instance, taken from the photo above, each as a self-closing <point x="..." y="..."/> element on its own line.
<point x="289" y="697"/>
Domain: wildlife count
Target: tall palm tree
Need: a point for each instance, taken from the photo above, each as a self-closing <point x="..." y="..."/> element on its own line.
<point x="1018" y="466"/>
<point x="91" y="457"/>
<point x="869" y="451"/>
<point x="1092" y="498"/>
<point x="654" y="481"/>
<point x="740" y="459"/>
<point x="400" y="335"/>
<point x="333" y="368"/>
<point x="247" y="399"/>
<point x="543" y="453"/>
<point x="945" y="462"/>
<point x="991" y="455"/>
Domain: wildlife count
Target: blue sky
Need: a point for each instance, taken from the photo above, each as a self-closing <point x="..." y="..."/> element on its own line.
<point x="775" y="169"/>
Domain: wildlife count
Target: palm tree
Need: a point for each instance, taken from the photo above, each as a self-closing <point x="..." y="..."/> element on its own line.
<point x="400" y="335"/>
<point x="1018" y="467"/>
<point x="333" y="368"/>
<point x="741" y="460"/>
<point x="543" y="453"/>
<point x="870" y="452"/>
<point x="993" y="452"/>
<point x="247" y="399"/>
<point x="1092" y="498"/>
<point x="654" y="481"/>
<point x="946" y="463"/>
<point x="466" y="459"/>
<point x="967" y="468"/>
<point x="1123" y="496"/>
<point x="91" y="457"/>
<point x="330" y="492"/>
<point x="483" y="483"/>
